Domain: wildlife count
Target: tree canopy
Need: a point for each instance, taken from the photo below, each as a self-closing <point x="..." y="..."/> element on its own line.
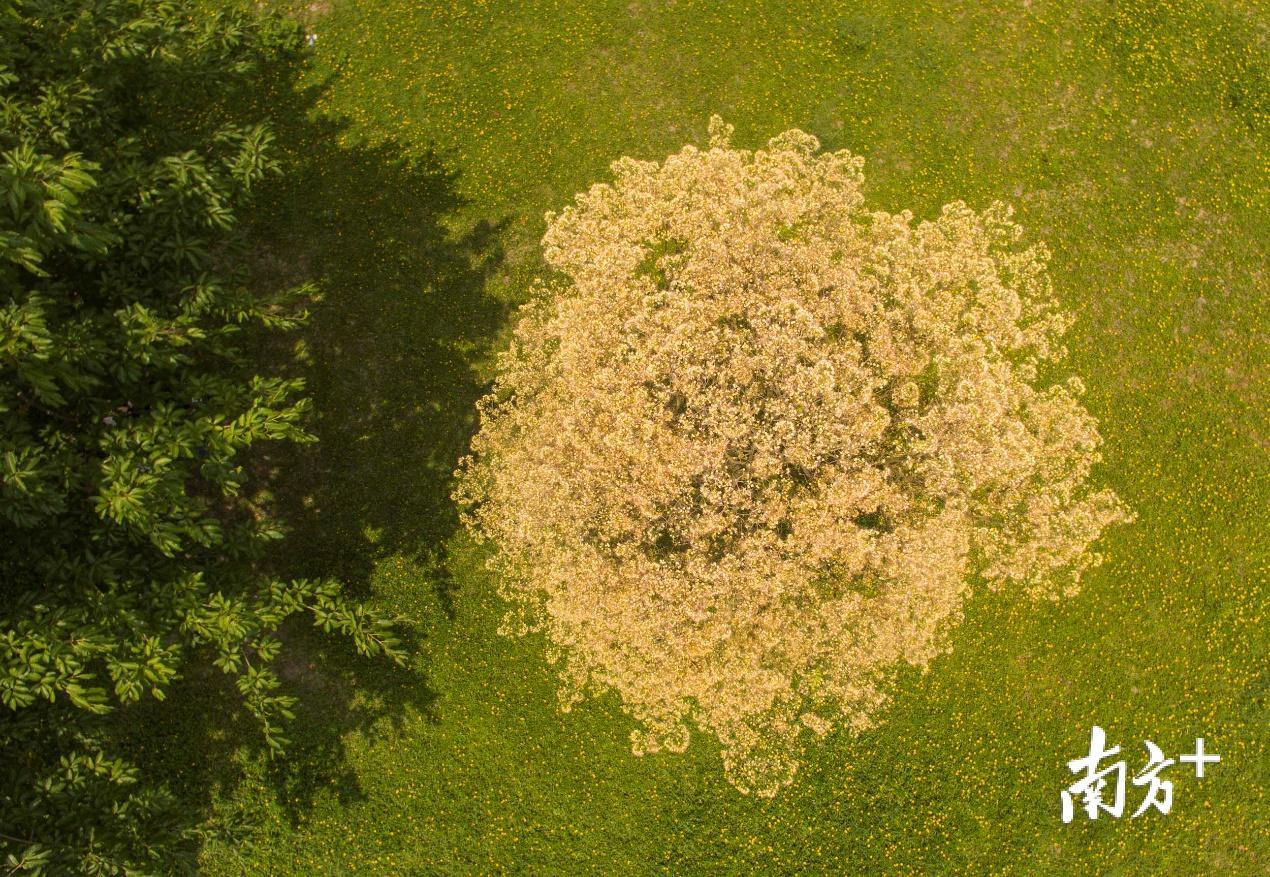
<point x="754" y="442"/>
<point x="133" y="527"/>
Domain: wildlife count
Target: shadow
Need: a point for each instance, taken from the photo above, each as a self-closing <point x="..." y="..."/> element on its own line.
<point x="338" y="693"/>
<point x="386" y="354"/>
<point x="207" y="744"/>
<point x="389" y="344"/>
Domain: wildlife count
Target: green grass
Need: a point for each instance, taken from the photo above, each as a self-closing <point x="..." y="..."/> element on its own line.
<point x="432" y="137"/>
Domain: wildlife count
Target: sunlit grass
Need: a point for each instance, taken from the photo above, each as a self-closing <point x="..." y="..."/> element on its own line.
<point x="1131" y="137"/>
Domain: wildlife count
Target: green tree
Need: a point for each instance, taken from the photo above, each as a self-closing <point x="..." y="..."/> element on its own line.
<point x="132" y="532"/>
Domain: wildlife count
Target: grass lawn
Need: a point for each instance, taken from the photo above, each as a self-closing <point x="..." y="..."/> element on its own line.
<point x="432" y="137"/>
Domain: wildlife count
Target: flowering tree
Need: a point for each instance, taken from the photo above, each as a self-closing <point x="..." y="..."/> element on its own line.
<point x="749" y="451"/>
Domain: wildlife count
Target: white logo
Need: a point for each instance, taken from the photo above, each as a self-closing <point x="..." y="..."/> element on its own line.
<point x="1091" y="787"/>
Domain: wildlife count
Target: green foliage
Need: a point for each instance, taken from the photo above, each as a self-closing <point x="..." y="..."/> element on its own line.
<point x="133" y="535"/>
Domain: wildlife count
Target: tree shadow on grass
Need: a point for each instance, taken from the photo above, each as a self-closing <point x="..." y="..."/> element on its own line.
<point x="387" y="355"/>
<point x="388" y="350"/>
<point x="402" y="314"/>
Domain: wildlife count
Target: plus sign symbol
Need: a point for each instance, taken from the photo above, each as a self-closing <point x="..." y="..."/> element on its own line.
<point x="1199" y="757"/>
